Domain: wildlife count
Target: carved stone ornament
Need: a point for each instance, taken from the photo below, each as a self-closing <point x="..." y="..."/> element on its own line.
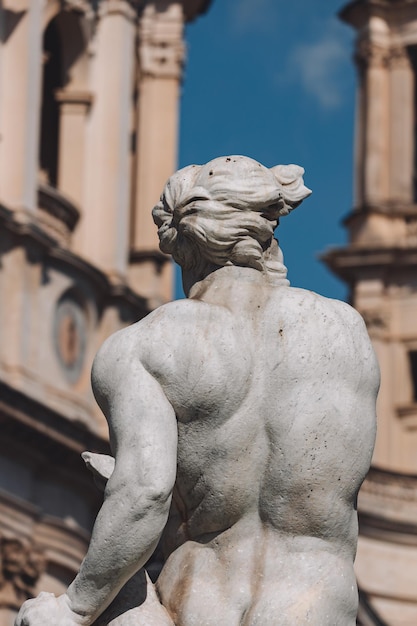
<point x="375" y="319"/>
<point x="70" y="337"/>
<point x="21" y="565"/>
<point x="411" y="231"/>
<point x="242" y="421"/>
<point x="161" y="46"/>
<point x="370" y="54"/>
<point x="398" y="58"/>
<point x="80" y="6"/>
<point x="117" y="7"/>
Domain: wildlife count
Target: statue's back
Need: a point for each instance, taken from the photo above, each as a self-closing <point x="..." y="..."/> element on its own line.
<point x="269" y="468"/>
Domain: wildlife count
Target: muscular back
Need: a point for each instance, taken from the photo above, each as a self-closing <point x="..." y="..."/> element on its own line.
<point x="274" y="403"/>
<point x="273" y="389"/>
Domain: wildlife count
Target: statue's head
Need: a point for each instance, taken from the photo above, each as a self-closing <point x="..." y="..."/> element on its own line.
<point x="225" y="212"/>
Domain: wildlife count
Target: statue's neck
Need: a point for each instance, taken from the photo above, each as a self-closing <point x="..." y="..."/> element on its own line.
<point x="206" y="276"/>
<point x="231" y="282"/>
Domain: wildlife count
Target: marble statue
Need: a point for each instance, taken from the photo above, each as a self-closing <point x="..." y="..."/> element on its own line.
<point x="242" y="424"/>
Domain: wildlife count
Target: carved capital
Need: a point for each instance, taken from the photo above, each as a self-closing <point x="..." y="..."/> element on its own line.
<point x="117" y="7"/>
<point x="398" y="58"/>
<point x="376" y="321"/>
<point x="161" y="45"/>
<point x="81" y="6"/>
<point x="21" y="564"/>
<point x="369" y="54"/>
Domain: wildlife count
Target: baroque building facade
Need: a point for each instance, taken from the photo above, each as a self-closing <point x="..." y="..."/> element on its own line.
<point x="88" y="136"/>
<point x="379" y="264"/>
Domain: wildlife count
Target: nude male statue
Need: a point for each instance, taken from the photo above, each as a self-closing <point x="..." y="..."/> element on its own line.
<point x="242" y="421"/>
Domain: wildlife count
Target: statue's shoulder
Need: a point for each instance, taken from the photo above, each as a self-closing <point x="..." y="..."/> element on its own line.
<point x="183" y="317"/>
<point x="172" y="328"/>
<point x="324" y="308"/>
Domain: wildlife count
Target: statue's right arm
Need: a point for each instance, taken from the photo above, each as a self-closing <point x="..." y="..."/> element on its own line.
<point x="143" y="435"/>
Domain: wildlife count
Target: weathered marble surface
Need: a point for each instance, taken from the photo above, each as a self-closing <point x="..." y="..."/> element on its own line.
<point x="242" y="421"/>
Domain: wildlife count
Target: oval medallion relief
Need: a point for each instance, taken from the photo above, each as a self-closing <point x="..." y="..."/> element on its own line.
<point x="70" y="337"/>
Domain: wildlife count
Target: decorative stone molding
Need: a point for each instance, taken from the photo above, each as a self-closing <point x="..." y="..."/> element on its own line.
<point x="142" y="256"/>
<point x="391" y="485"/>
<point x="349" y="262"/>
<point x="22" y="563"/>
<point x="398" y="58"/>
<point x="26" y="228"/>
<point x="411" y="230"/>
<point x="74" y="101"/>
<point x="83" y="6"/>
<point x="118" y="7"/>
<point x="370" y="54"/>
<point x="367" y="616"/>
<point x="387" y="507"/>
<point x="408" y="416"/>
<point x="376" y="321"/>
<point x="161" y="46"/>
<point x="57" y="214"/>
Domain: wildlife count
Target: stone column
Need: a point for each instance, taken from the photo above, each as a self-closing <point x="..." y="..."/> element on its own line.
<point x="161" y="55"/>
<point x="20" y="85"/>
<point x="401" y="126"/>
<point x="373" y="63"/>
<point x="359" y="147"/>
<point x="103" y="234"/>
<point x="74" y="106"/>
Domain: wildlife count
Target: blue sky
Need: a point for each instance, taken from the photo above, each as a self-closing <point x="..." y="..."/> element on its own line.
<point x="274" y="80"/>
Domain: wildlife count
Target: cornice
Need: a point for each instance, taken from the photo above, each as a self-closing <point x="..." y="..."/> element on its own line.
<point x="367" y="616"/>
<point x="27" y="419"/>
<point x="26" y="227"/>
<point x="358" y="12"/>
<point x="347" y="261"/>
<point x="387" y="506"/>
<point x="157" y="257"/>
<point x="390" y="209"/>
<point x="194" y="8"/>
<point x="56" y="205"/>
<point x="347" y="258"/>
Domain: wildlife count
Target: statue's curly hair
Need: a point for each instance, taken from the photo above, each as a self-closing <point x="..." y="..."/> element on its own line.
<point x="226" y="212"/>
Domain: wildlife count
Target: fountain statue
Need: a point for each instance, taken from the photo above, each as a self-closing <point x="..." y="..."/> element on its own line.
<point x="242" y="424"/>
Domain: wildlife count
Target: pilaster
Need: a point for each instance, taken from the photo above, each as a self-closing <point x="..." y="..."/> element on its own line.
<point x="74" y="107"/>
<point x="401" y="124"/>
<point x="20" y="86"/>
<point x="372" y="60"/>
<point x="161" y="55"/>
<point x="104" y="229"/>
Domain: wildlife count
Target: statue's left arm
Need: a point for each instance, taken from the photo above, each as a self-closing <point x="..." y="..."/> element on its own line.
<point x="143" y="435"/>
